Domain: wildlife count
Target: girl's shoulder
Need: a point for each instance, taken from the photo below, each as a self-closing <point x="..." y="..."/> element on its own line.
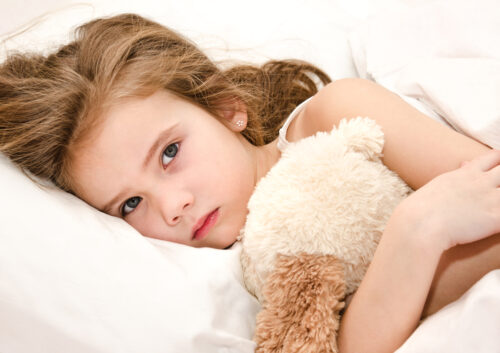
<point x="339" y="99"/>
<point x="416" y="147"/>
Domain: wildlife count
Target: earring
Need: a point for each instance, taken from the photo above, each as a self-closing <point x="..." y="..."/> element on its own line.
<point x="240" y="123"/>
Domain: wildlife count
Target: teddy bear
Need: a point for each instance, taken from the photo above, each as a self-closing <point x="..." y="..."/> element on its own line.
<point x="313" y="225"/>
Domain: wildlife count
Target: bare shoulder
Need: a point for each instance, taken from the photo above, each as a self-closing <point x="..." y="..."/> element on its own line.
<point x="416" y="147"/>
<point x="339" y="99"/>
<point x="351" y="97"/>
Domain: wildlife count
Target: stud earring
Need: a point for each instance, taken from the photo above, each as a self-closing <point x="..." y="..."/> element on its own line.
<point x="239" y="123"/>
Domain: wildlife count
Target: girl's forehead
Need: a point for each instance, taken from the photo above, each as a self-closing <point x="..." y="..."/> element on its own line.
<point x="123" y="134"/>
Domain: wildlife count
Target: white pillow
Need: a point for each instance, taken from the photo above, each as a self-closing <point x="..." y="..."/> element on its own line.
<point x="75" y="280"/>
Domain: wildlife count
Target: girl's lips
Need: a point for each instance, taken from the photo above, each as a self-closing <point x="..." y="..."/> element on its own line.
<point x="203" y="226"/>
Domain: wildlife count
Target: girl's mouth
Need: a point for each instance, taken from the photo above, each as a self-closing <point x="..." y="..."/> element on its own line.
<point x="203" y="226"/>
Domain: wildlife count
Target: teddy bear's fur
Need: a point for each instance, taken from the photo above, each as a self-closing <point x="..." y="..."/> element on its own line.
<point x="315" y="220"/>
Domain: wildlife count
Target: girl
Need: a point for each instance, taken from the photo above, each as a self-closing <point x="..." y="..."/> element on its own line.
<point x="139" y="123"/>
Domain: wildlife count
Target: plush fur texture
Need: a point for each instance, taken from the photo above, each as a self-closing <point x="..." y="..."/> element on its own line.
<point x="314" y="223"/>
<point x="301" y="292"/>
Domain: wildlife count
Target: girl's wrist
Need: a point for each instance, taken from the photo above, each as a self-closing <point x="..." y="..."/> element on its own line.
<point x="420" y="231"/>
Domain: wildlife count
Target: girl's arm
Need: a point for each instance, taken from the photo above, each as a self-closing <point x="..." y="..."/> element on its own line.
<point x="387" y="306"/>
<point x="458" y="207"/>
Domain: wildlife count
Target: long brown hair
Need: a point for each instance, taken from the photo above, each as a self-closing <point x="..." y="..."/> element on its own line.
<point x="48" y="104"/>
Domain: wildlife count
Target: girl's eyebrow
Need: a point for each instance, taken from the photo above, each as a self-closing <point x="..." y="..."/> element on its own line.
<point x="154" y="147"/>
<point x="158" y="142"/>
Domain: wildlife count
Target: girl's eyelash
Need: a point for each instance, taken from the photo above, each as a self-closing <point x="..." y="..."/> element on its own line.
<point x="169" y="153"/>
<point x="134" y="202"/>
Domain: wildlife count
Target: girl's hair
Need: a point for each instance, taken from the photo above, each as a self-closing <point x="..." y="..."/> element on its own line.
<point x="48" y="104"/>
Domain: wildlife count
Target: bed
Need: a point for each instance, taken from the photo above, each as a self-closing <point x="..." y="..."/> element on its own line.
<point x="75" y="280"/>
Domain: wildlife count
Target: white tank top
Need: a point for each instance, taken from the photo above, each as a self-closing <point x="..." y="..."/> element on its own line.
<point x="282" y="141"/>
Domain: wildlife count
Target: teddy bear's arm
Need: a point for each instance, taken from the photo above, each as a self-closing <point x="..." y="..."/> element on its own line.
<point x="303" y="297"/>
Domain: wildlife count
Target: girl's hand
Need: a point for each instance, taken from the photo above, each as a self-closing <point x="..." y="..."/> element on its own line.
<point x="457" y="207"/>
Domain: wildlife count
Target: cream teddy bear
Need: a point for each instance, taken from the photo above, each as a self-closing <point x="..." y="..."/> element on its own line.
<point x="315" y="220"/>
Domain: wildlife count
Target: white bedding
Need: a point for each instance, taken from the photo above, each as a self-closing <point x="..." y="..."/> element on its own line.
<point x="470" y="324"/>
<point x="75" y="280"/>
<point x="445" y="55"/>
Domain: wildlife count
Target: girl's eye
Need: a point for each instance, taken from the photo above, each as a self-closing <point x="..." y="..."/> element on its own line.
<point x="169" y="153"/>
<point x="130" y="205"/>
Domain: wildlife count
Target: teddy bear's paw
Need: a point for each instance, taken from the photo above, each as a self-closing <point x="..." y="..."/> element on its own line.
<point x="303" y="297"/>
<point x="362" y="135"/>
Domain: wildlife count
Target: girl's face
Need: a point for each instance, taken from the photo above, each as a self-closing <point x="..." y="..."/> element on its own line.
<point x="172" y="170"/>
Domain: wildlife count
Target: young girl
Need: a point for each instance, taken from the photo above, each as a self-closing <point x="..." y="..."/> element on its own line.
<point x="139" y="123"/>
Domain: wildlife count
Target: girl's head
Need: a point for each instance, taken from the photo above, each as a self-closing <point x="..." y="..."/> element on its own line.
<point x="83" y="116"/>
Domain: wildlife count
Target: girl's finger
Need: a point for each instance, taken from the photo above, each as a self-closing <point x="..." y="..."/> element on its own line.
<point x="485" y="161"/>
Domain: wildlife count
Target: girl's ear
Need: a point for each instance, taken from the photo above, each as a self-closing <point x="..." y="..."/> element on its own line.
<point x="235" y="115"/>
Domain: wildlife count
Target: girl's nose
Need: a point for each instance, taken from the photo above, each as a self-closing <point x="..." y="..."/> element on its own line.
<point x="175" y="205"/>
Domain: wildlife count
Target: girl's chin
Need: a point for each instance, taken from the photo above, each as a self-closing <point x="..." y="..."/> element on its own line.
<point x="229" y="246"/>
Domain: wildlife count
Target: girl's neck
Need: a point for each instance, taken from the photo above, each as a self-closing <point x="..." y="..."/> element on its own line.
<point x="263" y="157"/>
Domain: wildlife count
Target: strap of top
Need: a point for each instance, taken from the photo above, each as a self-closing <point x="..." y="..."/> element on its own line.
<point x="282" y="141"/>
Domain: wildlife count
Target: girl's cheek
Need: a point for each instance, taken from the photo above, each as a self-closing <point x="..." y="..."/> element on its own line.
<point x="138" y="218"/>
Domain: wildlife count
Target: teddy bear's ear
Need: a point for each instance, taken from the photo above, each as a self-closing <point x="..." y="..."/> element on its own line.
<point x="303" y="297"/>
<point x="362" y="135"/>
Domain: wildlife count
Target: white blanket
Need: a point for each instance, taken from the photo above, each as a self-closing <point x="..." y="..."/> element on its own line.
<point x="444" y="57"/>
<point x="445" y="54"/>
<point x="470" y="324"/>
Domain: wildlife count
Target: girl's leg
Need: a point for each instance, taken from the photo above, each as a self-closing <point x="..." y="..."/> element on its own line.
<point x="459" y="268"/>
